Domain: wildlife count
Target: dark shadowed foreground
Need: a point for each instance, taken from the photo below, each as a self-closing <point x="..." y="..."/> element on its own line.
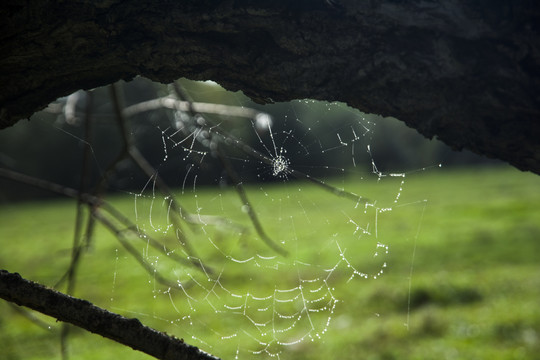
<point x="466" y="72"/>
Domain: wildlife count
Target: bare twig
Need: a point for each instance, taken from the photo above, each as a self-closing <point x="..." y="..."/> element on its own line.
<point x="123" y="241"/>
<point x="239" y="144"/>
<point x="194" y="109"/>
<point x="32" y="318"/>
<point x="247" y="205"/>
<point x="97" y="203"/>
<point x="188" y="106"/>
<point x="77" y="248"/>
<point x="134" y="154"/>
<point x="83" y="184"/>
<point x="82" y="313"/>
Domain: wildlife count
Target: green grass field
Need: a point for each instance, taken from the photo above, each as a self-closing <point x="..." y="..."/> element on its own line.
<point x="470" y="238"/>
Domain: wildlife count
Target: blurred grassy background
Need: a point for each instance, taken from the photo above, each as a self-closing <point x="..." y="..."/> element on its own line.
<point x="474" y="291"/>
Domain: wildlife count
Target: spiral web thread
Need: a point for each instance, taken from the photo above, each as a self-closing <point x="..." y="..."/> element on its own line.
<point x="245" y="299"/>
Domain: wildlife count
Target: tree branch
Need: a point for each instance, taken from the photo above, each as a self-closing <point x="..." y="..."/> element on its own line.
<point x="99" y="203"/>
<point x="82" y="313"/>
<point x="467" y="72"/>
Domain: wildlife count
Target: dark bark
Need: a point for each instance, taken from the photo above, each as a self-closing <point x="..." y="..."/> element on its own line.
<point x="84" y="314"/>
<point x="464" y="71"/>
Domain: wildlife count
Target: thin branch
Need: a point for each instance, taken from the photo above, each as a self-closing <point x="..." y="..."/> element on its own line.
<point x="32" y="318"/>
<point x="187" y="106"/>
<point x="97" y="203"/>
<point x="247" y="205"/>
<point x="136" y="156"/>
<point x="195" y="108"/>
<point x="192" y="109"/>
<point x="123" y="241"/>
<point x="239" y="144"/>
<point x="82" y="313"/>
<point x="78" y="247"/>
<point x="126" y="143"/>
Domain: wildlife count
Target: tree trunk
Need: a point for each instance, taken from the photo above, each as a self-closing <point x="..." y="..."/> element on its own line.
<point x="464" y="71"/>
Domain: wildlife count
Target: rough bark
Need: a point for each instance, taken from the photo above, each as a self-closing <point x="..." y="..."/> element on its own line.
<point x="84" y="314"/>
<point x="464" y="71"/>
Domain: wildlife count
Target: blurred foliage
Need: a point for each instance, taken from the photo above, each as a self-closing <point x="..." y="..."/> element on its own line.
<point x="57" y="135"/>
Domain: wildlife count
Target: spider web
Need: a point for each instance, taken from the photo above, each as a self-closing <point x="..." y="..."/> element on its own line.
<point x="270" y="238"/>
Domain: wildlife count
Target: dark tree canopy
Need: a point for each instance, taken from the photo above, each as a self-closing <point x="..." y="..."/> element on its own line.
<point x="464" y="71"/>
